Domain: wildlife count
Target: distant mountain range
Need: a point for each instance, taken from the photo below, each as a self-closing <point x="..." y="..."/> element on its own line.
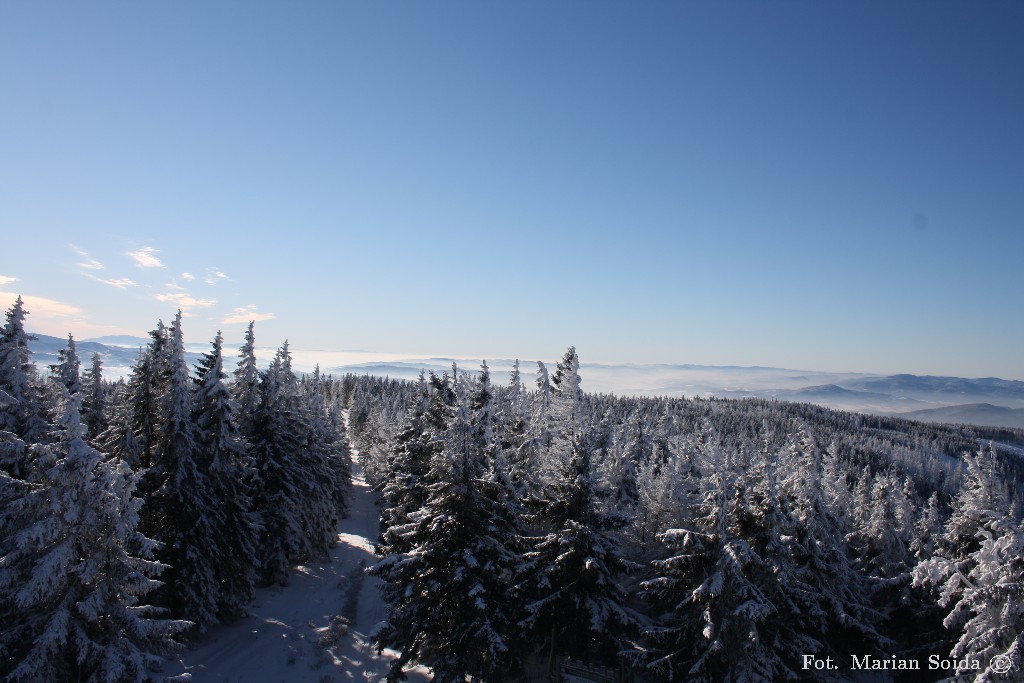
<point x="983" y="414"/>
<point x="987" y="401"/>
<point x="118" y="353"/>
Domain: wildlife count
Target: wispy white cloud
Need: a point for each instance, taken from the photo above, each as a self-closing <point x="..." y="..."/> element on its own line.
<point x="188" y="276"/>
<point x="120" y="283"/>
<point x="89" y="263"/>
<point x="213" y="275"/>
<point x="146" y="258"/>
<point x="41" y="306"/>
<point x="185" y="301"/>
<point x="56" y="318"/>
<point x="173" y="284"/>
<point x="5" y="279"/>
<point x="245" y="314"/>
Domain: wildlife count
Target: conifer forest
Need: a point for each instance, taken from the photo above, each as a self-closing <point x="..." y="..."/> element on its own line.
<point x="526" y="526"/>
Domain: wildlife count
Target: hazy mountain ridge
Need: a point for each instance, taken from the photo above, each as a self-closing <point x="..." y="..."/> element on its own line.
<point x="987" y="401"/>
<point x="983" y="414"/>
<point x="117" y="357"/>
<point x="991" y="401"/>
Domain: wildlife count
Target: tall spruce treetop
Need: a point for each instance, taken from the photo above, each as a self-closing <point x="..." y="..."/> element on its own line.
<point x="246" y="387"/>
<point x="16" y="368"/>
<point x="230" y="476"/>
<point x="404" y="490"/>
<point x="982" y="498"/>
<point x="136" y="441"/>
<point x="567" y="375"/>
<point x="21" y="411"/>
<point x="275" y="442"/>
<point x="215" y="409"/>
<point x="542" y="406"/>
<point x="182" y="513"/>
<point x="67" y="370"/>
<point x="94" y="398"/>
<point x="515" y="391"/>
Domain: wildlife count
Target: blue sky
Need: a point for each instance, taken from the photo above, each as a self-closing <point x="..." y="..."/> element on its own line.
<point x="830" y="186"/>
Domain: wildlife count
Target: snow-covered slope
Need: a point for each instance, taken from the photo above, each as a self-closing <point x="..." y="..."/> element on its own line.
<point x="288" y="635"/>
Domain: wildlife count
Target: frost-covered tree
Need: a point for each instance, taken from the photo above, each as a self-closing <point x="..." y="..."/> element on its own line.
<point x="982" y="498"/>
<point x="94" y="399"/>
<point x="133" y="437"/>
<point x="181" y="511"/>
<point x="882" y="536"/>
<point x="449" y="599"/>
<point x="715" y="619"/>
<point x="830" y="595"/>
<point x="68" y="368"/>
<point x="71" y="583"/>
<point x="663" y="497"/>
<point x="223" y="457"/>
<point x="574" y="606"/>
<point x="246" y="386"/>
<point x="983" y="587"/>
<point x="541" y="420"/>
<point x="328" y="432"/>
<point x="627" y="457"/>
<point x="275" y="441"/>
<point x="404" y="490"/>
<point x="927" y="529"/>
<point x="22" y="414"/>
<point x="718" y="620"/>
<point x="326" y="459"/>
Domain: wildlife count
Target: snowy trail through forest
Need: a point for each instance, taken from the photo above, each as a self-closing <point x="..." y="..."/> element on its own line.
<point x="292" y="633"/>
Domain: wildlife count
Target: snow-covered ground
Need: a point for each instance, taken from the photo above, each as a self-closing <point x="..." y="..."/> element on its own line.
<point x="288" y="634"/>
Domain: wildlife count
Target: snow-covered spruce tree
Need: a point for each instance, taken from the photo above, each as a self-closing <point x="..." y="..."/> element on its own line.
<point x="881" y="541"/>
<point x="982" y="498"/>
<point x="182" y="512"/>
<point x="404" y="489"/>
<point x="94" y="399"/>
<point x="514" y="440"/>
<point x="984" y="587"/>
<point x="328" y="431"/>
<point x="541" y="419"/>
<point x="832" y="597"/>
<point x="498" y="484"/>
<point x="275" y="442"/>
<point x="512" y="410"/>
<point x="448" y="595"/>
<point x="68" y="368"/>
<point x="663" y="499"/>
<point x="927" y="529"/>
<point x="318" y="487"/>
<point x="326" y="456"/>
<point x="567" y="582"/>
<point x="714" y="592"/>
<point x="22" y="411"/>
<point x="222" y="455"/>
<point x="246" y="385"/>
<point x="132" y="435"/>
<point x="634" y="450"/>
<point x="71" y="582"/>
<point x="556" y="417"/>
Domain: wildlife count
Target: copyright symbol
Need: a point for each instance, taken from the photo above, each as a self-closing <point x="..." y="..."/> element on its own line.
<point x="1001" y="664"/>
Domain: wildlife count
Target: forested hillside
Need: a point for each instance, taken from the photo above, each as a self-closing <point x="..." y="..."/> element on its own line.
<point x="524" y="524"/>
<point x="135" y="515"/>
<point x="674" y="539"/>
